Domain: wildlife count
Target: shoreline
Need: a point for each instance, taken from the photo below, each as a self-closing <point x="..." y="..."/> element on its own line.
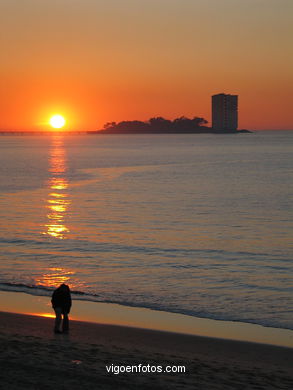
<point x="142" y="318"/>
<point x="105" y="132"/>
<point x="33" y="357"/>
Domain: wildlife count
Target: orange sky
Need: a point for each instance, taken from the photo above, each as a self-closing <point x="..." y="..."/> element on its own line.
<point x="96" y="61"/>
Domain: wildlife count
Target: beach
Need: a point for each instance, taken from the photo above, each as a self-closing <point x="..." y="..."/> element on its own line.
<point x="33" y="357"/>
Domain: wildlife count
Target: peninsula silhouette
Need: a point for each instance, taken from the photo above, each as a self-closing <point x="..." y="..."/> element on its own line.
<point x="160" y="125"/>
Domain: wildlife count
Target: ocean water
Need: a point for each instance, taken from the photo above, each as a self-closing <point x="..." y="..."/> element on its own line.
<point x="194" y="224"/>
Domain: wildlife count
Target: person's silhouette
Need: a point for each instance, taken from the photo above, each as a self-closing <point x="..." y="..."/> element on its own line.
<point x="61" y="303"/>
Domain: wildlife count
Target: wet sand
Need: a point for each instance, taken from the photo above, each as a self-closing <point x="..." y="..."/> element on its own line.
<point x="138" y="317"/>
<point x="33" y="357"/>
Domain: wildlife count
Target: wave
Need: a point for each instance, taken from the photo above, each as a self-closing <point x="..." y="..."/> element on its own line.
<point x="39" y="290"/>
<point x="85" y="246"/>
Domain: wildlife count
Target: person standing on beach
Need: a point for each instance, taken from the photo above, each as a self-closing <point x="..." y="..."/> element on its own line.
<point x="61" y="303"/>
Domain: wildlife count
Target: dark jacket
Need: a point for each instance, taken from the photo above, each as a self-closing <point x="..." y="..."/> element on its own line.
<point x="61" y="298"/>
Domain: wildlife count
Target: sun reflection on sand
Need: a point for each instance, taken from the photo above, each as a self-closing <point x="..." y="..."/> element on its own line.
<point x="46" y="315"/>
<point x="58" y="199"/>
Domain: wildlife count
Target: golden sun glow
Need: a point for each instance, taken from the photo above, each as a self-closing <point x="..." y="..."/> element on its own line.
<point x="57" y="121"/>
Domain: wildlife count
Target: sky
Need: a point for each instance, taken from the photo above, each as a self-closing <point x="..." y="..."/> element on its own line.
<point x="98" y="61"/>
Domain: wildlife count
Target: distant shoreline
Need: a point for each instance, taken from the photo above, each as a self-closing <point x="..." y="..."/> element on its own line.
<point x="107" y="132"/>
<point x="204" y="130"/>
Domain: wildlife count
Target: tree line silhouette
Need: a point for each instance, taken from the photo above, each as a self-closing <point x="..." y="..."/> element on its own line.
<point x="159" y="125"/>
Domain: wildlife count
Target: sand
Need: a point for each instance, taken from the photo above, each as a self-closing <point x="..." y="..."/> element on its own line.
<point x="139" y="317"/>
<point x="33" y="357"/>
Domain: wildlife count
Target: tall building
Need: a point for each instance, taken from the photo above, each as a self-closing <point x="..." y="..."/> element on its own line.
<point x="224" y="112"/>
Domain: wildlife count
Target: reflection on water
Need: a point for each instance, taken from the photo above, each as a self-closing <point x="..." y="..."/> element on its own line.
<point x="54" y="277"/>
<point x="57" y="204"/>
<point x="58" y="198"/>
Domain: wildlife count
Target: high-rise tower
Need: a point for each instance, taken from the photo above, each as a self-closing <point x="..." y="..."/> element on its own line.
<point x="224" y="112"/>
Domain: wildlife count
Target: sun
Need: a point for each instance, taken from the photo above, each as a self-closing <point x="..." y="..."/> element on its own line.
<point x="57" y="121"/>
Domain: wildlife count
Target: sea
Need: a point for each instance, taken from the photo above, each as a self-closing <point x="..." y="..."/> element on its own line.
<point x="197" y="224"/>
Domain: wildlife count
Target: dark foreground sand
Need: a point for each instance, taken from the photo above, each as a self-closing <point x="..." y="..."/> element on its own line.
<point x="32" y="357"/>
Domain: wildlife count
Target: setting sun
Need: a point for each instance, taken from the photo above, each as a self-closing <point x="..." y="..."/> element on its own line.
<point x="57" y="121"/>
